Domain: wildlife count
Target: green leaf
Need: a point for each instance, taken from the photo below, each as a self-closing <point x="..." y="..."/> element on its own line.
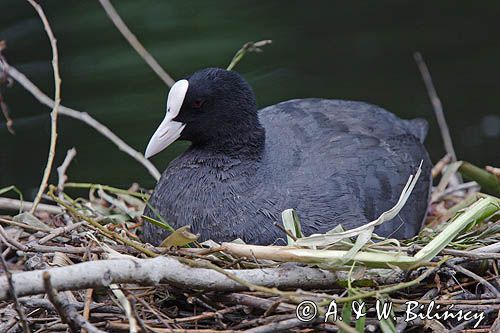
<point x="291" y="222"/>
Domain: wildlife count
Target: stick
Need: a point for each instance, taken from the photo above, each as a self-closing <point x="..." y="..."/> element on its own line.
<point x="23" y="206"/>
<point x="68" y="313"/>
<point x="5" y="110"/>
<point x="436" y="104"/>
<point x="55" y="109"/>
<point x="61" y="170"/>
<point x="82" y="116"/>
<point x="475" y="277"/>
<point x="12" y="292"/>
<point x="134" y="42"/>
<point x="106" y="232"/>
<point x="101" y="273"/>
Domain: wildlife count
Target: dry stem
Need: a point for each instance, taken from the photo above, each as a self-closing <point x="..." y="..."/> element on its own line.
<point x="134" y="42"/>
<point x="55" y="109"/>
<point x="436" y="103"/>
<point x="82" y="116"/>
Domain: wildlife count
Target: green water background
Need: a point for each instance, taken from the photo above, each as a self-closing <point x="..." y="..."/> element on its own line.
<point x="358" y="50"/>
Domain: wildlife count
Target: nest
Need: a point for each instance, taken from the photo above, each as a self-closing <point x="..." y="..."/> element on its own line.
<point x="79" y="264"/>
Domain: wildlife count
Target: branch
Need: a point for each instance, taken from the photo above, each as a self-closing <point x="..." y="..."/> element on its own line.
<point x="55" y="109"/>
<point x="134" y="42"/>
<point x="61" y="170"/>
<point x="436" y="104"/>
<point x="24" y="206"/>
<point x="12" y="291"/>
<point x="68" y="313"/>
<point x="82" y="116"/>
<point x="101" y="273"/>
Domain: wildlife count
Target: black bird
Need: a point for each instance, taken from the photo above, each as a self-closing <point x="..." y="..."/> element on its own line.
<point x="334" y="161"/>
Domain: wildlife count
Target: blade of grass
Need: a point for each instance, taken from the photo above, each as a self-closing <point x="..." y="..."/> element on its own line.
<point x="291" y="222"/>
<point x="480" y="210"/>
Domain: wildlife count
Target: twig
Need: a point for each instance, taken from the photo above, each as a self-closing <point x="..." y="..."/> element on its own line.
<point x="12" y="292"/>
<point x="6" y="114"/>
<point x="61" y="170"/>
<point x="278" y="326"/>
<point x="24" y="226"/>
<point x="436" y="104"/>
<point x="4" y="78"/>
<point x="256" y="302"/>
<point x="86" y="306"/>
<point x="247" y="47"/>
<point x="106" y="232"/>
<point x="457" y="188"/>
<point x="82" y="116"/>
<point x="440" y="165"/>
<point x="476" y="277"/>
<point x="134" y="42"/>
<point x="156" y="313"/>
<point x="390" y="289"/>
<point x="68" y="313"/>
<point x="55" y="109"/>
<point x="127" y="307"/>
<point x="32" y="302"/>
<point x="101" y="273"/>
<point x="11" y="241"/>
<point x="60" y="231"/>
<point x="23" y="206"/>
<point x="493" y="170"/>
<point x="286" y="231"/>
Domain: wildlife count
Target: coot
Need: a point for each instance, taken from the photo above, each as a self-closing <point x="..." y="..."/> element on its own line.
<point x="334" y="161"/>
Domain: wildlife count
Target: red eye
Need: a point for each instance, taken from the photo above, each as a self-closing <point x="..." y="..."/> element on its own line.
<point x="198" y="103"/>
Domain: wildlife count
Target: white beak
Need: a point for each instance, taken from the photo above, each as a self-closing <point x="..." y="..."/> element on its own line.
<point x="169" y="130"/>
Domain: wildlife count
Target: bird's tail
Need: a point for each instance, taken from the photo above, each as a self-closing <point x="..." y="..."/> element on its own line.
<point x="419" y="128"/>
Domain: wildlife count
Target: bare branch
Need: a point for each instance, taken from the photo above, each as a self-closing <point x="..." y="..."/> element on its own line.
<point x="68" y="313"/>
<point x="61" y="170"/>
<point x="12" y="291"/>
<point x="436" y="104"/>
<point x="23" y="206"/>
<point x="134" y="42"/>
<point x="55" y="109"/>
<point x="101" y="273"/>
<point x="82" y="116"/>
<point x="6" y="114"/>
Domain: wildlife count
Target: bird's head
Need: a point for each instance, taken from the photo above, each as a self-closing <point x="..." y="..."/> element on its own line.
<point x="211" y="105"/>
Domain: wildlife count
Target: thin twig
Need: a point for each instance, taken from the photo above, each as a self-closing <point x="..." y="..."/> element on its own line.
<point x="60" y="231"/>
<point x="82" y="116"/>
<point x="247" y="47"/>
<point x="106" y="232"/>
<point x="440" y="165"/>
<point x="493" y="170"/>
<point x="61" y="170"/>
<point x="436" y="104"/>
<point x="55" y="109"/>
<point x="12" y="292"/>
<point x="476" y="277"/>
<point x="4" y="79"/>
<point x="5" y="110"/>
<point x="134" y="42"/>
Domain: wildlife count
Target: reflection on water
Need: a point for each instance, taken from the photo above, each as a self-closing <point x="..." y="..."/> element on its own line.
<point x="356" y="50"/>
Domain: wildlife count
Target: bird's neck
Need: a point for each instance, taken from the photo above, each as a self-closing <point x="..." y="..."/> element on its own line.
<point x="245" y="143"/>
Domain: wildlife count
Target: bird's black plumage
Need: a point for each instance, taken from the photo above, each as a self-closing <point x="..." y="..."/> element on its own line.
<point x="335" y="162"/>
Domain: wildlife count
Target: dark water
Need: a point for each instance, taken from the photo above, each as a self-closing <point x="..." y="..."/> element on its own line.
<point x="348" y="50"/>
